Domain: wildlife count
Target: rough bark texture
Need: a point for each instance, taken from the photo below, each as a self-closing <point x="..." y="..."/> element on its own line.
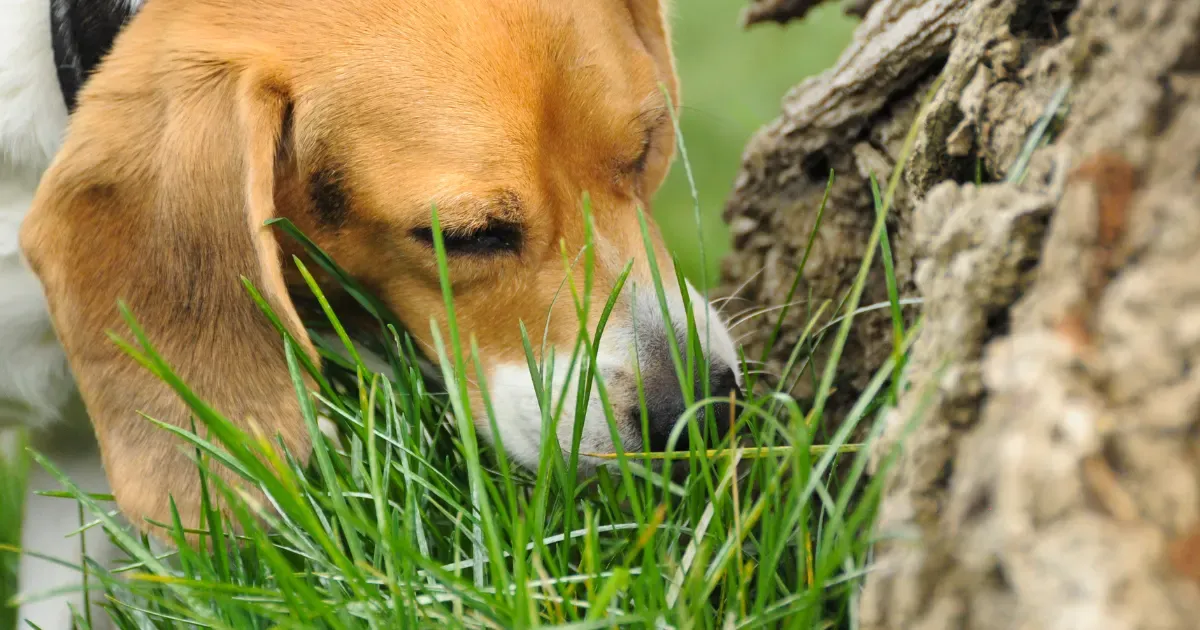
<point x="1053" y="476"/>
<point x="853" y="120"/>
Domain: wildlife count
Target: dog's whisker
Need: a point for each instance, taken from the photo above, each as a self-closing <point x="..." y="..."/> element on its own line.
<point x="725" y="298"/>
<point x="721" y="302"/>
<point x="742" y="312"/>
<point x="742" y="287"/>
<point x="764" y="311"/>
<point x="752" y="309"/>
<point x="770" y="373"/>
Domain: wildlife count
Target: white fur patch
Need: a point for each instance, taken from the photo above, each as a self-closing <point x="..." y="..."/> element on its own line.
<point x="32" y="113"/>
<point x="518" y="415"/>
<point x="35" y="382"/>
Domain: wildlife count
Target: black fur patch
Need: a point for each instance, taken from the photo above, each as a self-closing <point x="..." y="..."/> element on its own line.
<point x="82" y="33"/>
<point x="328" y="192"/>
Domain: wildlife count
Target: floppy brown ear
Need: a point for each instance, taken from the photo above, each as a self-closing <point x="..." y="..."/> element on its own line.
<point x="653" y="28"/>
<point x="157" y="198"/>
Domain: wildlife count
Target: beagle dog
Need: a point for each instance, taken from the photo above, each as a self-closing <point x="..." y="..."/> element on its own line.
<point x="47" y="50"/>
<point x="353" y="119"/>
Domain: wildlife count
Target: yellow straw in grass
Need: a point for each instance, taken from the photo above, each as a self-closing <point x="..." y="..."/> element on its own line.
<point x="742" y="452"/>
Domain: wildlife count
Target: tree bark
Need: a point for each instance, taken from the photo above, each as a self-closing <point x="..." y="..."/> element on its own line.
<point x="1053" y="476"/>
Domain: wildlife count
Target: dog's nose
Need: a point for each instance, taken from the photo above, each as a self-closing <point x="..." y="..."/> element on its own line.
<point x="665" y="405"/>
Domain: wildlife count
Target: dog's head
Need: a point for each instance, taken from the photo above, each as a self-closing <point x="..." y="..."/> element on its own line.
<point x="353" y="119"/>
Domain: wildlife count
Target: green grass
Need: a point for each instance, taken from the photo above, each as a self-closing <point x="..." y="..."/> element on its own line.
<point x="12" y="495"/>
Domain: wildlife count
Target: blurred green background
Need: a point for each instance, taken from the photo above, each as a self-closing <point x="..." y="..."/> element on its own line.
<point x="732" y="81"/>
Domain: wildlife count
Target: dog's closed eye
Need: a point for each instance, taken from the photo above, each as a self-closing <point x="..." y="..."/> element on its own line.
<point x="639" y="163"/>
<point x="498" y="236"/>
<point x="650" y="122"/>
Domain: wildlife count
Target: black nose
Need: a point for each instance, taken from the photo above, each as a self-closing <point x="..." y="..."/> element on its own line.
<point x="665" y="404"/>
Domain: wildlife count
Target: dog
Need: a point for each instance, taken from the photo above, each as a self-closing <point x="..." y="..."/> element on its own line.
<point x="353" y="120"/>
<point x="48" y="48"/>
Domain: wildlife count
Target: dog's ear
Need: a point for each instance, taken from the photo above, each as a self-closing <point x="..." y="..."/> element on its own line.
<point x="650" y="18"/>
<point x="158" y="198"/>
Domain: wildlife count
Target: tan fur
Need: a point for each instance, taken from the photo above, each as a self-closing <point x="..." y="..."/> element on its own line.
<point x="210" y="116"/>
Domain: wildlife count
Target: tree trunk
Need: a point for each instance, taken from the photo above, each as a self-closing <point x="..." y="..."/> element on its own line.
<point x="1053" y="478"/>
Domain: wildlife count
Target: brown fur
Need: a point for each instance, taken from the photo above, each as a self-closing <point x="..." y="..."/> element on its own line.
<point x="211" y="116"/>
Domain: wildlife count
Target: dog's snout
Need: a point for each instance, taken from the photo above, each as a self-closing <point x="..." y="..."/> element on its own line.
<point x="663" y="410"/>
<point x="665" y="405"/>
<point x="726" y="384"/>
